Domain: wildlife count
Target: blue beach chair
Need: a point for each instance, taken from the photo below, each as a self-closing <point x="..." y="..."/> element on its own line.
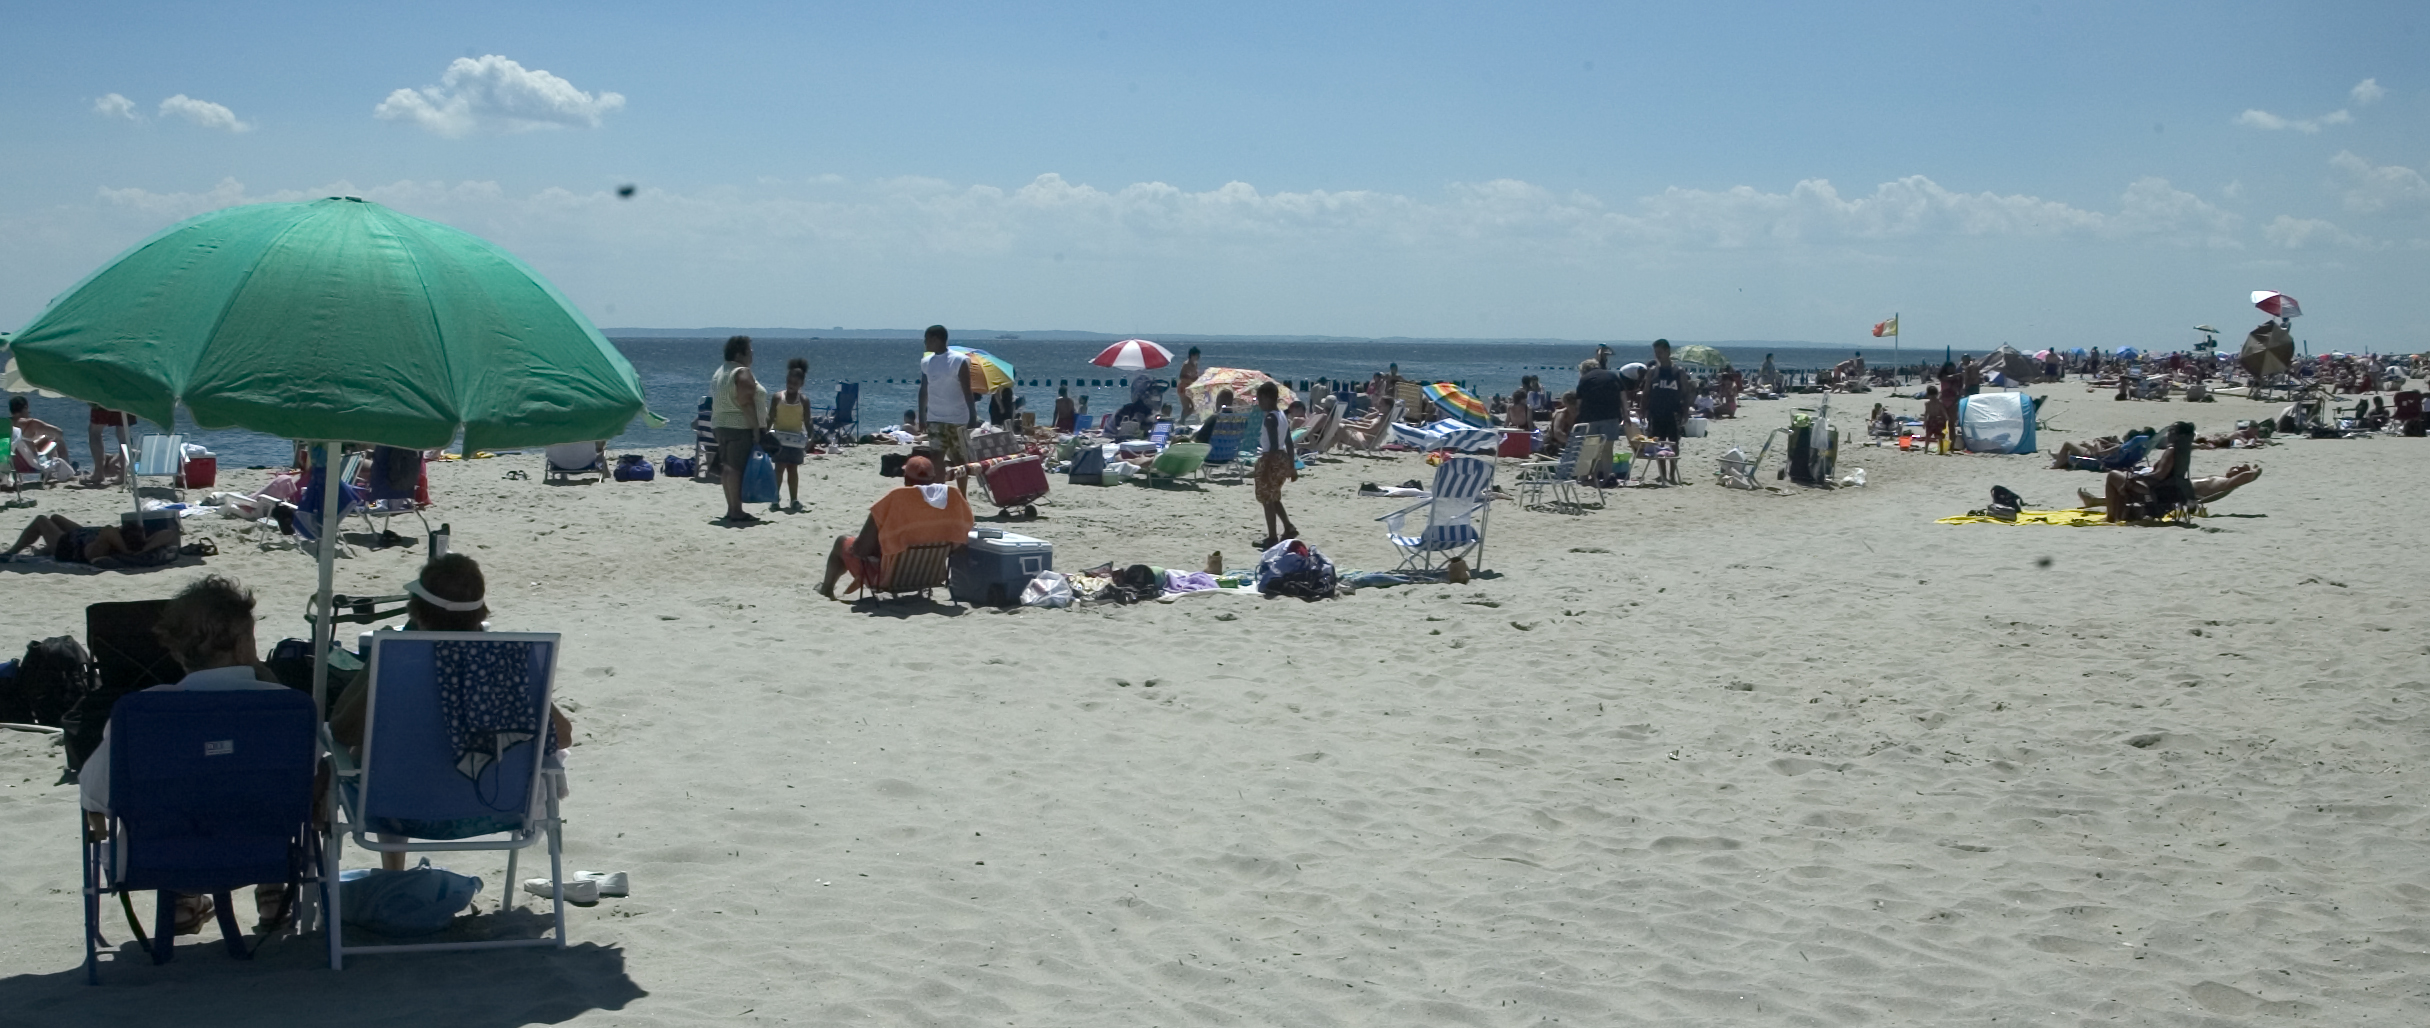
<point x="842" y="421"/>
<point x="416" y="778"/>
<point x="1225" y="440"/>
<point x="209" y="792"/>
<point x="1455" y="517"/>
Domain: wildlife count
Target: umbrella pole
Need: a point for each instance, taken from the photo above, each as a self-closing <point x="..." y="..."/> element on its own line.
<point x="324" y="626"/>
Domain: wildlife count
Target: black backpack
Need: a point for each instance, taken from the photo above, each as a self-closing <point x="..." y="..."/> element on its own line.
<point x="50" y="679"/>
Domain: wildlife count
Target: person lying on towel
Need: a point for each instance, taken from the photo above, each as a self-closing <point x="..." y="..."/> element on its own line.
<point x="916" y="513"/>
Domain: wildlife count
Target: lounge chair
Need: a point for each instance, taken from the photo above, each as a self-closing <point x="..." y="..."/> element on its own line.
<point x="1372" y="435"/>
<point x="843" y="419"/>
<point x="920" y="569"/>
<point x="1226" y="438"/>
<point x="1562" y="475"/>
<point x="566" y="460"/>
<point x="704" y="439"/>
<point x="126" y="658"/>
<point x="158" y="456"/>
<point x="209" y="792"/>
<point x="1178" y="461"/>
<point x="43" y="466"/>
<point x="1456" y="512"/>
<point x="1161" y="434"/>
<point x="392" y="487"/>
<point x="408" y="781"/>
<point x="308" y="501"/>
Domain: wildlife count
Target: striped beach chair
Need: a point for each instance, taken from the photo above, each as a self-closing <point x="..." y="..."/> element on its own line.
<point x="1456" y="513"/>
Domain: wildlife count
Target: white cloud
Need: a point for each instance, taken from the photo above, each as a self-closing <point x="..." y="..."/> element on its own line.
<point x="2380" y="187"/>
<point x="2274" y="123"/>
<point x="203" y="113"/>
<point x="2292" y="233"/>
<point x="115" y="106"/>
<point x="2368" y="91"/>
<point x="497" y="95"/>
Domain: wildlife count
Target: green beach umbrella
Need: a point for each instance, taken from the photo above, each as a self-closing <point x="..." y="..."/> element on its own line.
<point x="1699" y="355"/>
<point x="337" y="319"/>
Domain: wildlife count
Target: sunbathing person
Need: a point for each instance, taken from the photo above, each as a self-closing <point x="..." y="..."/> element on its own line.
<point x="70" y="543"/>
<point x="208" y="627"/>
<point x="1363" y="433"/>
<point x="2207" y="490"/>
<point x="2143" y="494"/>
<point x="918" y="512"/>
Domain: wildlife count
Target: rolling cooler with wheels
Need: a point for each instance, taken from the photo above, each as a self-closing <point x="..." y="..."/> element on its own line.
<point x="996" y="566"/>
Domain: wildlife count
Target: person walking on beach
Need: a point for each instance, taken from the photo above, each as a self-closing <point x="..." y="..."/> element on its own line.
<point x="789" y="418"/>
<point x="1182" y="380"/>
<point x="1767" y="378"/>
<point x="734" y="404"/>
<point x="1275" y="465"/>
<point x="946" y="392"/>
<point x="1665" y="402"/>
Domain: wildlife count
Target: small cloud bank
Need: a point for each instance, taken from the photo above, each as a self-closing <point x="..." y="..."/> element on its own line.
<point x="2367" y="91"/>
<point x="495" y="94"/>
<point x="2292" y="233"/>
<point x="2373" y="188"/>
<point x="2274" y="123"/>
<point x="202" y="112"/>
<point x="115" y="106"/>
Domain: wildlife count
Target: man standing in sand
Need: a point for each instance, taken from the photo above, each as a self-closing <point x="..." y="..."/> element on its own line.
<point x="734" y="404"/>
<point x="946" y="391"/>
<point x="1182" y="380"/>
<point x="1665" y="405"/>
<point x="1602" y="399"/>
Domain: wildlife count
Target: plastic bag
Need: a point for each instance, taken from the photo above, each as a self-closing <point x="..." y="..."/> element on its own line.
<point x="1047" y="589"/>
<point x="415" y="901"/>
<point x="759" y="479"/>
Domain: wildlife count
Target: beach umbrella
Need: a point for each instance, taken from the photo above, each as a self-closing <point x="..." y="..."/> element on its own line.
<point x="999" y="371"/>
<point x="2268" y="350"/>
<point x="332" y="321"/>
<point x="1133" y="355"/>
<point x="1455" y="403"/>
<point x="2041" y="355"/>
<point x="1243" y="383"/>
<point x="2015" y="367"/>
<point x="2277" y="304"/>
<point x="2125" y="353"/>
<point x="1699" y="355"/>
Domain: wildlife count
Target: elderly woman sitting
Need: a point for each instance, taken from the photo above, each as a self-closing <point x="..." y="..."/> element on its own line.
<point x="918" y="512"/>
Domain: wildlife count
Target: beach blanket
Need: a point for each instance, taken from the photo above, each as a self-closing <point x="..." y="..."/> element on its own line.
<point x="1446" y="435"/>
<point x="2033" y="517"/>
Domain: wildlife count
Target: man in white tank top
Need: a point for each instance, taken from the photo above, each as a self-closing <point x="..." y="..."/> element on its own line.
<point x="946" y="389"/>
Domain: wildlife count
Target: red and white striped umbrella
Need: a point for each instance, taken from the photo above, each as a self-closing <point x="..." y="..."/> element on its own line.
<point x="1133" y="355"/>
<point x="2277" y="304"/>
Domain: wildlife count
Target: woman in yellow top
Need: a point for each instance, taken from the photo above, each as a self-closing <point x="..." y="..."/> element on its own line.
<point x="789" y="419"/>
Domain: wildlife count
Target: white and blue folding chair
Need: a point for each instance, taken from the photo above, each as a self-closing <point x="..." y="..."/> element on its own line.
<point x="1456" y="512"/>
<point x="158" y="456"/>
<point x="455" y="736"/>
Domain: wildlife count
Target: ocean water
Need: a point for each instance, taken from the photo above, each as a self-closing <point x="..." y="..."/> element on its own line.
<point x="675" y="375"/>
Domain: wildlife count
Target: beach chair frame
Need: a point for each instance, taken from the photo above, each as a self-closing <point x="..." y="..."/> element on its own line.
<point x="237" y="809"/>
<point x="156" y="456"/>
<point x="380" y="504"/>
<point x="921" y="569"/>
<point x="1457" y="508"/>
<point x="1178" y="461"/>
<point x="1561" y="476"/>
<point x="1224" y="443"/>
<point x="357" y="792"/>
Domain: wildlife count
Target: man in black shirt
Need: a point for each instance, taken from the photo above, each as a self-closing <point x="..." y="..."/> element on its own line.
<point x="1665" y="405"/>
<point x="1602" y="400"/>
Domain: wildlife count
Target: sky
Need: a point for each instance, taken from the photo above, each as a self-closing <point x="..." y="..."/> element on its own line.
<point x="2094" y="174"/>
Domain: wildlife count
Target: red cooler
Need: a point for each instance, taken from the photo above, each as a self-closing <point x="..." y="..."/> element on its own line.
<point x="198" y="473"/>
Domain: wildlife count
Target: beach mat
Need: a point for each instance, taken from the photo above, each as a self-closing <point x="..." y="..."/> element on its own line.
<point x="2033" y="517"/>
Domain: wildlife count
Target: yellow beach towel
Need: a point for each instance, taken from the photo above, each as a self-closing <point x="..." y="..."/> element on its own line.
<point x="2034" y="517"/>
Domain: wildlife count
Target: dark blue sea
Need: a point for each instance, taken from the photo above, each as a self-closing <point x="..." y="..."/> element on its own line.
<point x="675" y="374"/>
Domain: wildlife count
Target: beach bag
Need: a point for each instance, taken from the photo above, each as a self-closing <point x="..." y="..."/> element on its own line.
<point x="1088" y="466"/>
<point x="759" y="479"/>
<point x="680" y="467"/>
<point x="415" y="901"/>
<point x="633" y="467"/>
<point x="1294" y="568"/>
<point x="50" y="679"/>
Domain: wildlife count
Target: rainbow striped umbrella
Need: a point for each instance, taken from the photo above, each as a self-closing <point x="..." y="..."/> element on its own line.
<point x="999" y="371"/>
<point x="1457" y="404"/>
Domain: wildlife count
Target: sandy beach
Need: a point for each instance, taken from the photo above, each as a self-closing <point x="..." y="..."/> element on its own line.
<point x="1701" y="757"/>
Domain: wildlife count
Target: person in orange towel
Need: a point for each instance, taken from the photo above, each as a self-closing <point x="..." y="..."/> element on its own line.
<point x="918" y="512"/>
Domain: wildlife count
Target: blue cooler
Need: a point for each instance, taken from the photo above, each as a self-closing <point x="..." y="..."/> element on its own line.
<point x="997" y="565"/>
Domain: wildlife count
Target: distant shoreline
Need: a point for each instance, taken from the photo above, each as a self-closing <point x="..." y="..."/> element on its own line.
<point x="975" y="335"/>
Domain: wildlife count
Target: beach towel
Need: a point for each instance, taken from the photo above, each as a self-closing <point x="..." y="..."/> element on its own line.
<point x="2033" y="517"/>
<point x="1446" y="434"/>
<point x="487" y="697"/>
